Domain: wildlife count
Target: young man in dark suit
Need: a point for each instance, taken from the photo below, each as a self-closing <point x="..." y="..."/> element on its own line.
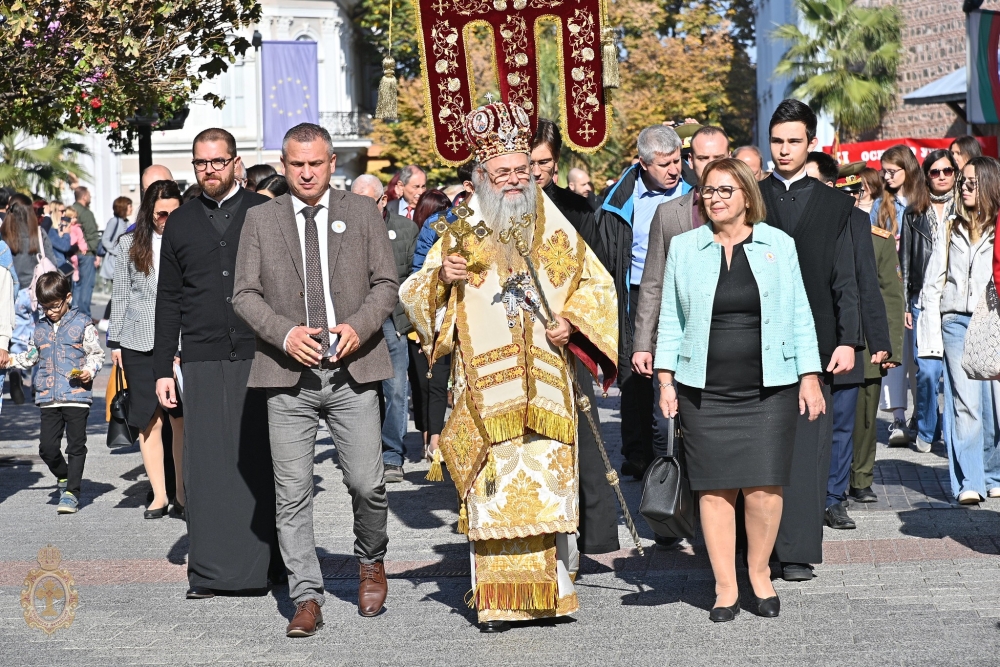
<point x="818" y="219"/>
<point x="229" y="482"/>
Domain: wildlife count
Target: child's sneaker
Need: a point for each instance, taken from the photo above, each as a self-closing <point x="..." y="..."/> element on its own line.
<point x="62" y="484"/>
<point x="67" y="504"/>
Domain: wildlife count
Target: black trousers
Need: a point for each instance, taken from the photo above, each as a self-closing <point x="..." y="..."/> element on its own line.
<point x="800" y="534"/>
<point x="598" y="505"/>
<point x="429" y="415"/>
<point x="72" y="421"/>
<point x="636" y="402"/>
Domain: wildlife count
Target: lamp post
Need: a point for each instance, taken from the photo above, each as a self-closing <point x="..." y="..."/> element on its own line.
<point x="257" y="42"/>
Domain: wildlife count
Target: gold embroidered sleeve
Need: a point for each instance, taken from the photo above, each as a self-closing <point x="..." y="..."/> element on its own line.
<point x="430" y="306"/>
<point x="593" y="309"/>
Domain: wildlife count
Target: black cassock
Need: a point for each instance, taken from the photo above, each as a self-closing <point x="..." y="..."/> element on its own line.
<point x="228" y="476"/>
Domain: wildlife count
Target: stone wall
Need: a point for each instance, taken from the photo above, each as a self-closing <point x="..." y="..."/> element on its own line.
<point x="934" y="45"/>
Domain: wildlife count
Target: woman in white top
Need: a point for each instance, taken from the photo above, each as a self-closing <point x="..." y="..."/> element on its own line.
<point x="130" y="336"/>
<point x="960" y="267"/>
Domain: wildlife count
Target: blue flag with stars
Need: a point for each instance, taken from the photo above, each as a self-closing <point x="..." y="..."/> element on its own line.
<point x="289" y="74"/>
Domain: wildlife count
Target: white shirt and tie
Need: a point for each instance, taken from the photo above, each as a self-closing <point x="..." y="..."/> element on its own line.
<point x="405" y="209"/>
<point x="322" y="233"/>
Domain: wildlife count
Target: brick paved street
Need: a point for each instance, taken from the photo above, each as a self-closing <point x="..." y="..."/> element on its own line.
<point x="917" y="584"/>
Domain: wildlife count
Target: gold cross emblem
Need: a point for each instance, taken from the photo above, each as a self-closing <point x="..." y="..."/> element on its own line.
<point x="460" y="230"/>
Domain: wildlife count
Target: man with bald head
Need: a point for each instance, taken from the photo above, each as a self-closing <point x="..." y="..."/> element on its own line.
<point x="154" y="173"/>
<point x="579" y="182"/>
<point x="403" y="238"/>
<point x="753" y="158"/>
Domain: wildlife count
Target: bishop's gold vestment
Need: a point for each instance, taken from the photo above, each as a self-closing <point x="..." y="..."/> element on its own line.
<point x="510" y="442"/>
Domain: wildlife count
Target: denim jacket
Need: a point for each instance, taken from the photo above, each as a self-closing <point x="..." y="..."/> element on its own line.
<point x="788" y="333"/>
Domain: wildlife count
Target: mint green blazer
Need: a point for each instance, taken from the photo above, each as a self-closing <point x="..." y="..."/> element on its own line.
<point x="788" y="333"/>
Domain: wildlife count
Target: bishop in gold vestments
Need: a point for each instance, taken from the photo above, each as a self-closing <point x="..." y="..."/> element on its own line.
<point x="510" y="442"/>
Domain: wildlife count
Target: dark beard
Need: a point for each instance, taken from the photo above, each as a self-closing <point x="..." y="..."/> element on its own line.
<point x="219" y="191"/>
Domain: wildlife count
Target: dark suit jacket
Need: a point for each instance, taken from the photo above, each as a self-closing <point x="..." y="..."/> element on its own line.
<point x="671" y="219"/>
<point x="824" y="241"/>
<point x="403" y="237"/>
<point x="195" y="288"/>
<point x="270" y="285"/>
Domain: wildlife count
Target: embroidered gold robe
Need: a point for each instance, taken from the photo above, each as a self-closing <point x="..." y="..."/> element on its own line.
<point x="509" y="443"/>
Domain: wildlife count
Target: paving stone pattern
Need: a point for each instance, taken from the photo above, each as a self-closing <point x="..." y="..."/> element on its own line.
<point x="918" y="583"/>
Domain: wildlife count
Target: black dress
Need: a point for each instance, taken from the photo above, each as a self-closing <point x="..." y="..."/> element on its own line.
<point x="737" y="433"/>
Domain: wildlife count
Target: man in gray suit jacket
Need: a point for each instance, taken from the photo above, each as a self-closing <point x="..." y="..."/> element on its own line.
<point x="671" y="219"/>
<point x="315" y="280"/>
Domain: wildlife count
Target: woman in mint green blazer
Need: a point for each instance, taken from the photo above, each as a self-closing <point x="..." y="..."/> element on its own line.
<point x="737" y="358"/>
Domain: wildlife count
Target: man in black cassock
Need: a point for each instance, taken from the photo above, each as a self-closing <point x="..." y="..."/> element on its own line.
<point x="228" y="477"/>
<point x="818" y="219"/>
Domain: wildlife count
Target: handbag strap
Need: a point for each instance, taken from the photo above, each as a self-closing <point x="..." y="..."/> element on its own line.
<point x="673" y="436"/>
<point x="120" y="377"/>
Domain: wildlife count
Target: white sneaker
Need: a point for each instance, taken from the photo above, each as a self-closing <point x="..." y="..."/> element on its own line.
<point x="969" y="498"/>
<point x="923" y="446"/>
<point x="994" y="492"/>
<point x="898" y="437"/>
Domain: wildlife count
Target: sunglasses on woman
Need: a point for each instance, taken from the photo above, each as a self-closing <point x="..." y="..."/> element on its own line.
<point x="161" y="215"/>
<point x="947" y="172"/>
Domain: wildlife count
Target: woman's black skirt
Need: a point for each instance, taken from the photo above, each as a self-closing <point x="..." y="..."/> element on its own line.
<point x="141" y="381"/>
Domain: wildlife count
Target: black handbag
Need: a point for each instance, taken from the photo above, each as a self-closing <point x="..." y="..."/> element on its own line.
<point x="667" y="503"/>
<point x="119" y="432"/>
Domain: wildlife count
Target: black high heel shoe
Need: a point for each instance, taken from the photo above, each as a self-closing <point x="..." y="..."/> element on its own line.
<point x="769" y="607"/>
<point x="724" y="614"/>
<point x="157" y="513"/>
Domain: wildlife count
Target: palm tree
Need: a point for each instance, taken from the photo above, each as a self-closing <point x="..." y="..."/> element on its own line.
<point x="844" y="61"/>
<point x="43" y="170"/>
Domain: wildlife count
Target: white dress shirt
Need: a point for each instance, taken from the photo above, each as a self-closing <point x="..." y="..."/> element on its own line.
<point x="157" y="242"/>
<point x="787" y="182"/>
<point x="322" y="231"/>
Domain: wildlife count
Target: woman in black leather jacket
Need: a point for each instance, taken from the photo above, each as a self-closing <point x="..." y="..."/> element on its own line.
<point x="920" y="231"/>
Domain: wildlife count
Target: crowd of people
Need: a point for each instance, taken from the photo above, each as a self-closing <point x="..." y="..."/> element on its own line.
<point x="769" y="313"/>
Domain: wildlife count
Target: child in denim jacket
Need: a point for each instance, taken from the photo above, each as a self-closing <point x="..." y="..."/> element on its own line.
<point x="66" y="348"/>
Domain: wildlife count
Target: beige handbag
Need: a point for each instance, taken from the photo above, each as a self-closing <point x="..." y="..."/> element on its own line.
<point x="981" y="358"/>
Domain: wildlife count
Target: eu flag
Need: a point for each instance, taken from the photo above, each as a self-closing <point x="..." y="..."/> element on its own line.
<point x="289" y="73"/>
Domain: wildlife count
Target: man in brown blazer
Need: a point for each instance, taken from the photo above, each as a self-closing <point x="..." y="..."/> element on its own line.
<point x="671" y="219"/>
<point x="315" y="280"/>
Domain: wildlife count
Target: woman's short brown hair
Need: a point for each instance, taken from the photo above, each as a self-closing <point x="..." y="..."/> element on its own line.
<point x="120" y="207"/>
<point x="740" y="171"/>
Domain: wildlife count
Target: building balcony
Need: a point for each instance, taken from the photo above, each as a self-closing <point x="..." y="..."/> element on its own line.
<point x="346" y="124"/>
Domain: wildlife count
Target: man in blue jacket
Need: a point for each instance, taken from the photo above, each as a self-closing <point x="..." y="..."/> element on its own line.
<point x="624" y="222"/>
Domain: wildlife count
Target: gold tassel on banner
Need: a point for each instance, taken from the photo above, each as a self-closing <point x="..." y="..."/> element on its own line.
<point x="490" y="475"/>
<point x="387" y="108"/>
<point x="435" y="474"/>
<point x="463" y="518"/>
<point x="611" y="78"/>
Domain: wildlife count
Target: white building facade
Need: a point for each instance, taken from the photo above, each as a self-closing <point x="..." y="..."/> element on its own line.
<point x="325" y="22"/>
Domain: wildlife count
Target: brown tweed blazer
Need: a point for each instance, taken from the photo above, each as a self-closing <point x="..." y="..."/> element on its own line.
<point x="671" y="218"/>
<point x="270" y="285"/>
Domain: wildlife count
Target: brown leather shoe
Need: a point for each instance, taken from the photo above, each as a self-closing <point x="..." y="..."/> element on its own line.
<point x="307" y="620"/>
<point x="372" y="589"/>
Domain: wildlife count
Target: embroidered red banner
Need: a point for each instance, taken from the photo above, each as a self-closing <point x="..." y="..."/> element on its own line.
<point x="444" y="26"/>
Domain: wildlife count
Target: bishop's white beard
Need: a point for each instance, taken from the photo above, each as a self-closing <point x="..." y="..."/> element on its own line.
<point x="498" y="210"/>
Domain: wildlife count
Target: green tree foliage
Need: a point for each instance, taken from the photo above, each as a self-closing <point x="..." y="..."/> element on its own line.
<point x="93" y="64"/>
<point x="844" y="62"/>
<point x="42" y="169"/>
<point x="372" y="19"/>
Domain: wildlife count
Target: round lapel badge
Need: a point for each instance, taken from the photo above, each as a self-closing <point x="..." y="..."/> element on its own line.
<point x="338" y="226"/>
<point x="392" y="234"/>
<point x="769" y="257"/>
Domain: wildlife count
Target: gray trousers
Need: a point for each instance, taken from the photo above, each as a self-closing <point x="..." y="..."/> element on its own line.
<point x="351" y="412"/>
